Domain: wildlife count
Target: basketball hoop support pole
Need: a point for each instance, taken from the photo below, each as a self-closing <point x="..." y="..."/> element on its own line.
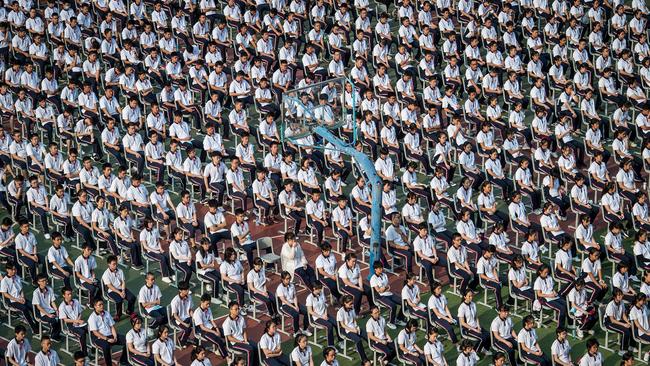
<point x="368" y="168"/>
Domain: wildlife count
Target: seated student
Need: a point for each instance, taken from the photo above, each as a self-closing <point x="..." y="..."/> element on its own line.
<point x="294" y="260"/>
<point x="407" y="347"/>
<point x="123" y="228"/>
<point x="621" y="280"/>
<point x="528" y="343"/>
<point x="18" y="348"/>
<point x="504" y="252"/>
<point x="181" y="255"/>
<point x="378" y="338"/>
<point x="397" y="240"/>
<point x="150" y="241"/>
<point x="45" y="307"/>
<point x="207" y="267"/>
<point x="232" y="274"/>
<point x="256" y="280"/>
<point x="317" y="310"/>
<point x="289" y="201"/>
<point x="616" y="319"/>
<point x="347" y="320"/>
<point x="641" y="249"/>
<point x="149" y="301"/>
<point x="69" y="311"/>
<point x="206" y="327"/>
<point x="434" y="350"/>
<point x="563" y="265"/>
<point x="544" y="287"/>
<point x="317" y="213"/>
<point x="342" y="222"/>
<point x="352" y="281"/>
<point x="561" y="349"/>
<point x="459" y="264"/>
<point x="639" y="317"/>
<point x="519" y="279"/>
<point x="181" y="313"/>
<point x="288" y="301"/>
<point x="582" y="309"/>
<point x="412" y="300"/>
<point x="7" y="235"/>
<point x="503" y="333"/>
<point x="59" y="260"/>
<point x="593" y="357"/>
<point x="468" y="319"/>
<point x="136" y="343"/>
<point x="616" y="250"/>
<point x="326" y="269"/>
<point x="381" y="288"/>
<point x="467" y="355"/>
<point x="103" y="333"/>
<point x="187" y="217"/>
<point x="115" y="283"/>
<point x="241" y="235"/>
<point x="270" y="345"/>
<point x="424" y="246"/>
<point x="593" y="275"/>
<point x="234" y="331"/>
<point x="487" y="268"/>
<point x="84" y="270"/>
<point x="37" y="199"/>
<point x="215" y="224"/>
<point x="441" y="315"/>
<point x="27" y="250"/>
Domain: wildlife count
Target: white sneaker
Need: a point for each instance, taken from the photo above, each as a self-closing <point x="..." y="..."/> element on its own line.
<point x="242" y="312"/>
<point x="167" y="280"/>
<point x="621" y="352"/>
<point x="635" y="278"/>
<point x="217" y="301"/>
<point x="307" y="332"/>
<point x="580" y="333"/>
<point x="173" y="277"/>
<point x="208" y="288"/>
<point x="47" y="236"/>
<point x="391" y="326"/>
<point x="646" y="357"/>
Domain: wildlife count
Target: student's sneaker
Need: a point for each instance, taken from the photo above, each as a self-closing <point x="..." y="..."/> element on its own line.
<point x="391" y="326"/>
<point x="635" y="278"/>
<point x="580" y="333"/>
<point x="47" y="236"/>
<point x="307" y="332"/>
<point x="217" y="301"/>
<point x="646" y="357"/>
<point x="622" y="352"/>
<point x="167" y="280"/>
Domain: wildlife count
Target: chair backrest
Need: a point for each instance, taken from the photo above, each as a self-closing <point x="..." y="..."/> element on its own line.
<point x="264" y="243"/>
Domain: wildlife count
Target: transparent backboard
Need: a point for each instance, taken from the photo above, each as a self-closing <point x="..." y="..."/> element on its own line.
<point x="331" y="103"/>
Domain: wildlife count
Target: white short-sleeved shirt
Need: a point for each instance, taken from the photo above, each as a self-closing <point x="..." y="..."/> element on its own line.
<point x="468" y="312"/>
<point x="102" y="323"/>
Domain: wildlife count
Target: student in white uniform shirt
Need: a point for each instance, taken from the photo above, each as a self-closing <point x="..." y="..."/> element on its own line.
<point x="434" y="350"/>
<point x="18" y="348"/>
<point x="592" y="357"/>
<point x="136" y="343"/>
<point x="200" y="356"/>
<point x="616" y="320"/>
<point x="187" y="216"/>
<point x="27" y="250"/>
<point x="592" y="273"/>
<point x="234" y="331"/>
<point x="45" y="308"/>
<point x="503" y="333"/>
<point x="469" y="320"/>
<point x="58" y="260"/>
<point x="47" y="356"/>
<point x="149" y="300"/>
<point x="256" y="281"/>
<point x="205" y="326"/>
<point x="302" y="354"/>
<point x="115" y="285"/>
<point x="349" y="327"/>
<point x="459" y="264"/>
<point x="103" y="333"/>
<point x="561" y="349"/>
<point x="123" y="227"/>
<point x="528" y="342"/>
<point x="152" y="249"/>
<point x="69" y="311"/>
<point x="407" y="347"/>
<point x="329" y="357"/>
<point x="467" y="355"/>
<point x="271" y="347"/>
<point x="163" y="348"/>
<point x="207" y="267"/>
<point x="642" y="249"/>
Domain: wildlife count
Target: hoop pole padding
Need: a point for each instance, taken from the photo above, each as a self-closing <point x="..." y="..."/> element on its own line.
<point x="368" y="168"/>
